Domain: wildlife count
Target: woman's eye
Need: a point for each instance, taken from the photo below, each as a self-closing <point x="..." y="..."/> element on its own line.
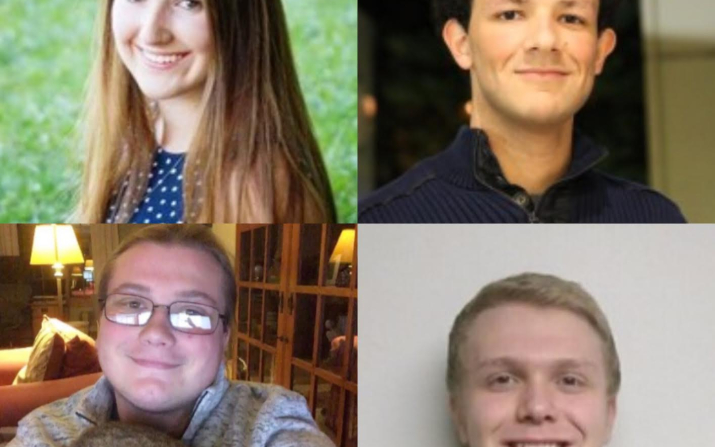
<point x="189" y="4"/>
<point x="509" y="15"/>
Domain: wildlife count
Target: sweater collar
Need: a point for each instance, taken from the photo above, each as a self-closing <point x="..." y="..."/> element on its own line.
<point x="472" y="144"/>
<point x="97" y="404"/>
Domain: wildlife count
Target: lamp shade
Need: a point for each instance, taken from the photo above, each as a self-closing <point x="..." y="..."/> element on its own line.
<point x="55" y="243"/>
<point x="343" y="252"/>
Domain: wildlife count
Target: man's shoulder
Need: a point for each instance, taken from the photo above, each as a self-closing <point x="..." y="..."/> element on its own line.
<point x="53" y="423"/>
<point x="420" y="194"/>
<point x="261" y="392"/>
<point x="404" y="191"/>
<point x="273" y="412"/>
<point x="652" y="205"/>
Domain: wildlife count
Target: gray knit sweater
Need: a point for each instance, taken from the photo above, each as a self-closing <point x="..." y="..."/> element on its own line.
<point x="225" y="414"/>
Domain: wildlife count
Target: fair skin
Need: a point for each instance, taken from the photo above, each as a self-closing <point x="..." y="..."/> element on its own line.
<point x="157" y="372"/>
<point x="533" y="376"/>
<point x="532" y="66"/>
<point x="167" y="47"/>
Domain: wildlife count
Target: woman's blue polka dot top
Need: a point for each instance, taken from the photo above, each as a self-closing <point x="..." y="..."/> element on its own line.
<point x="163" y="200"/>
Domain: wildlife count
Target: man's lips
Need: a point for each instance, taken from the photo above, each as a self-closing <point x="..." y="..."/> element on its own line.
<point x="537" y="443"/>
<point x="155" y="364"/>
<point x="541" y="73"/>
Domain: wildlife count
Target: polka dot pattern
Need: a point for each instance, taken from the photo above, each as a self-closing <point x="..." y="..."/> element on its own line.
<point x="163" y="201"/>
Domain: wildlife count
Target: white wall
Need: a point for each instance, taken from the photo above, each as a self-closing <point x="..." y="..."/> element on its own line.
<point x="679" y="38"/>
<point x="655" y="284"/>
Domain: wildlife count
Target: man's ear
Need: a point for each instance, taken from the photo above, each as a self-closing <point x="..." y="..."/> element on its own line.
<point x="611" y="416"/>
<point x="458" y="419"/>
<point x="457" y="40"/>
<point x="606" y="45"/>
<point x="226" y="338"/>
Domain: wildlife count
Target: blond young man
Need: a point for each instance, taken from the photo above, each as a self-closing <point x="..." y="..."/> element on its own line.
<point x="532" y="363"/>
<point x="168" y="295"/>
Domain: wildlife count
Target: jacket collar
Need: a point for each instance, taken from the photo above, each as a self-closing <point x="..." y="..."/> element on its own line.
<point x="97" y="404"/>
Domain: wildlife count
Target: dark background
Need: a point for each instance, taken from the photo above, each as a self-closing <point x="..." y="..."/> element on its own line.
<point x="421" y="92"/>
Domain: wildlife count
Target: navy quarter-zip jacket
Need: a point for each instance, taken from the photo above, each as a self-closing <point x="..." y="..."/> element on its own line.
<point x="464" y="184"/>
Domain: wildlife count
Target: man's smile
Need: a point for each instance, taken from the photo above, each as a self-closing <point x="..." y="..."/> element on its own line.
<point x="154" y="364"/>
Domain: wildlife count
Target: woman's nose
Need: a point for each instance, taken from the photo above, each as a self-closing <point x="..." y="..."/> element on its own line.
<point x="155" y="24"/>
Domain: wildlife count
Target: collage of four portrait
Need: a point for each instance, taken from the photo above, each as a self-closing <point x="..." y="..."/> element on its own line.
<point x="186" y="185"/>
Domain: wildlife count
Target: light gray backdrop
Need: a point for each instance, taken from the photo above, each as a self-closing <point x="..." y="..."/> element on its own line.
<point x="656" y="284"/>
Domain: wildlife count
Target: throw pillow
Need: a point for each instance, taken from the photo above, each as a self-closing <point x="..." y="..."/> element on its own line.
<point x="80" y="358"/>
<point x="45" y="360"/>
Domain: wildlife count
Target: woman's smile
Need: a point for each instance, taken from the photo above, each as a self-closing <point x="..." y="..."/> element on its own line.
<point x="161" y="61"/>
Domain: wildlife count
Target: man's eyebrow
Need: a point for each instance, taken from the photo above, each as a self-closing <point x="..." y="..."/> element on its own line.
<point x="515" y="2"/>
<point x="498" y="362"/>
<point x="511" y="362"/>
<point x="191" y="294"/>
<point x="563" y="3"/>
<point x="197" y="294"/>
<point x="586" y="4"/>
<point x="130" y="287"/>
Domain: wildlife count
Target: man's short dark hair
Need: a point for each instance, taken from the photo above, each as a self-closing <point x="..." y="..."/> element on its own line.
<point x="461" y="10"/>
<point x="199" y="237"/>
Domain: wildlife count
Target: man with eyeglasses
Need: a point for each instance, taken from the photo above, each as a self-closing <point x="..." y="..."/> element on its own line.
<point x="167" y="296"/>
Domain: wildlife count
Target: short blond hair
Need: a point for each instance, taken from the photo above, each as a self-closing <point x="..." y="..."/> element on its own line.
<point x="545" y="291"/>
<point x="194" y="236"/>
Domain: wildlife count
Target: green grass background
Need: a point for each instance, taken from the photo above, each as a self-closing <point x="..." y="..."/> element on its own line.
<point x="44" y="61"/>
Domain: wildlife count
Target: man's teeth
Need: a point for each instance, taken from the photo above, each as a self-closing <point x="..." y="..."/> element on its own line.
<point x="162" y="59"/>
<point x="536" y="444"/>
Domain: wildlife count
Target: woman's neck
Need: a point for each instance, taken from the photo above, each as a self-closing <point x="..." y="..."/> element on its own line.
<point x="176" y="123"/>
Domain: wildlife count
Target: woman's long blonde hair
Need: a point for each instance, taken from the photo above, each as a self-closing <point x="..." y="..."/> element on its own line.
<point x="254" y="157"/>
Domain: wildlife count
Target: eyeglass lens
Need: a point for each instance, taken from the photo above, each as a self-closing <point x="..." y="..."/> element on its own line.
<point x="184" y="316"/>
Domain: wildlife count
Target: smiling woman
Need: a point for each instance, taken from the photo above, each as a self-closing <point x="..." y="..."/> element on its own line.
<point x="45" y="67"/>
<point x="194" y="114"/>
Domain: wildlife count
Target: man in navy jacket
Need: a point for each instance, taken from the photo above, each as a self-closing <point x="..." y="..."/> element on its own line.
<point x="532" y="66"/>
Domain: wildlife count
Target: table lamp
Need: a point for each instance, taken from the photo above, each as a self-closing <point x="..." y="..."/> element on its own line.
<point x="343" y="255"/>
<point x="56" y="245"/>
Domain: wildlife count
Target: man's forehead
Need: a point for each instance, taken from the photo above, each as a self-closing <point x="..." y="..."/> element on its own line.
<point x="155" y="254"/>
<point x="144" y="267"/>
<point x="518" y="330"/>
